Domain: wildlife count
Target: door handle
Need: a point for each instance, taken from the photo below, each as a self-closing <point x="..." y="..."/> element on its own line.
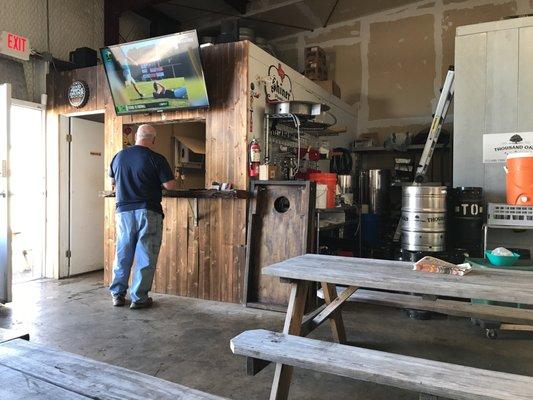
<point x="3" y="194"/>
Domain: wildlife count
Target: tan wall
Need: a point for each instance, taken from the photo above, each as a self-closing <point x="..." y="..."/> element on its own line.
<point x="71" y="24"/>
<point x="391" y="65"/>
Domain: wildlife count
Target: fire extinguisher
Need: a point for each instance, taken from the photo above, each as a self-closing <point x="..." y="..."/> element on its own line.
<point x="255" y="158"/>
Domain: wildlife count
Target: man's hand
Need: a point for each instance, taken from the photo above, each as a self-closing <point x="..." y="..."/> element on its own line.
<point x="171" y="185"/>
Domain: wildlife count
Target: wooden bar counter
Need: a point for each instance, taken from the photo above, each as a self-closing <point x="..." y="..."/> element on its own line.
<point x="203" y="249"/>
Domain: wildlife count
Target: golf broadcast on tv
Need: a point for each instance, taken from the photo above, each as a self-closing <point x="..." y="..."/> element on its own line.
<point x="157" y="74"/>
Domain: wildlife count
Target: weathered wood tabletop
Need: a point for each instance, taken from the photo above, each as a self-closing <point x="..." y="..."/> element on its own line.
<point x="30" y="370"/>
<point x="488" y="284"/>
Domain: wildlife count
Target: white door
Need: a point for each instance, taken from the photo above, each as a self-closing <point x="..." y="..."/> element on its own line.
<point x="27" y="190"/>
<point x="22" y="190"/>
<point x="86" y="207"/>
<point x="5" y="233"/>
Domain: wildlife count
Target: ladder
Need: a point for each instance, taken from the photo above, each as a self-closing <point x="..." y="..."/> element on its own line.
<point x="446" y="97"/>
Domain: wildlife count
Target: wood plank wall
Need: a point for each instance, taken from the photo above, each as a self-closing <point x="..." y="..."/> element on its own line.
<point x="204" y="259"/>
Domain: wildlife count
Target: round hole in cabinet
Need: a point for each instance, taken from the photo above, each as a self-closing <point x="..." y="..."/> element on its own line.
<point x="282" y="204"/>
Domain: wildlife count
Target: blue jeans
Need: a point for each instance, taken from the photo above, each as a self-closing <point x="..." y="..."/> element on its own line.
<point x="138" y="238"/>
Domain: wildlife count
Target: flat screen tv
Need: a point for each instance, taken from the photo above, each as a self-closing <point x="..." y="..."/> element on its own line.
<point x="154" y="75"/>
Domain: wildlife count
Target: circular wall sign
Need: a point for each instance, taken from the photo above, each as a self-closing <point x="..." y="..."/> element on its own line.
<point x="78" y="94"/>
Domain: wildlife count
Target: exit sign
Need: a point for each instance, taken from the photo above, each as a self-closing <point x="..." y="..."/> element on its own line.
<point x="15" y="46"/>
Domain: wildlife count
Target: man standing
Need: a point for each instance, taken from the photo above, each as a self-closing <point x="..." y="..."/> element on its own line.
<point x="138" y="174"/>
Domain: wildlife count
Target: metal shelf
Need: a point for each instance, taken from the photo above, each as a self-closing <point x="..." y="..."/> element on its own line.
<point x="307" y="126"/>
<point x="413" y="147"/>
<point x="513" y="227"/>
<point x="333" y="210"/>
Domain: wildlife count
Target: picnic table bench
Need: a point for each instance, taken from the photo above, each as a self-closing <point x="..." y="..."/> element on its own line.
<point x="30" y="370"/>
<point x="355" y="273"/>
<point x="417" y="374"/>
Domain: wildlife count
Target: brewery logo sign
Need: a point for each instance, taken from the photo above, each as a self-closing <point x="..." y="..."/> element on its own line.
<point x="278" y="86"/>
<point x="78" y="94"/>
<point x="496" y="146"/>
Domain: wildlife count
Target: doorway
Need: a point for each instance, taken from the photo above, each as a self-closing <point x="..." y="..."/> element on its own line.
<point x="86" y="208"/>
<point x="22" y="191"/>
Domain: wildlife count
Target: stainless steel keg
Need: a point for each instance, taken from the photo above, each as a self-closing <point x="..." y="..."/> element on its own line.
<point x="424" y="218"/>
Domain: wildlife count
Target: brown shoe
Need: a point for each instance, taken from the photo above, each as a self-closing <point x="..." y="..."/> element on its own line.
<point x="142" y="304"/>
<point x="119" y="300"/>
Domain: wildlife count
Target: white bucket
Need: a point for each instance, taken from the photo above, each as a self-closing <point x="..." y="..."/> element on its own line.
<point x="321" y="195"/>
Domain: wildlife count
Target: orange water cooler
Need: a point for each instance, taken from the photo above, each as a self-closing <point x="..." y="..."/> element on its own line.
<point x="519" y="169"/>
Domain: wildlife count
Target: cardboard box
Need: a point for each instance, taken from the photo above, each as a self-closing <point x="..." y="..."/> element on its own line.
<point x="268" y="172"/>
<point x="330" y="86"/>
<point x="315" y="52"/>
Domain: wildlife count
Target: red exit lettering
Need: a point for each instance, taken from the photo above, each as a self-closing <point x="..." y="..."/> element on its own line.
<point x="17" y="43"/>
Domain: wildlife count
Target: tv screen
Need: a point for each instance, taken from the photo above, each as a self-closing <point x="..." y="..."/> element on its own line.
<point x="158" y="74"/>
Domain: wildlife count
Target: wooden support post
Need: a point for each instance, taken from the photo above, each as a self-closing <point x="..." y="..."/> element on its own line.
<point x="335" y="320"/>
<point x="293" y="326"/>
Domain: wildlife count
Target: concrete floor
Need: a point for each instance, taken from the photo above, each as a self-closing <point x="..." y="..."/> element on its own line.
<point x="187" y="341"/>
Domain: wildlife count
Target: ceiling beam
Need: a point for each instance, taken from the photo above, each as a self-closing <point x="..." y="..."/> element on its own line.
<point x="239" y="5"/>
<point x="111" y="24"/>
<point x="254" y="8"/>
<point x="160" y="23"/>
<point x="121" y="6"/>
<point x="112" y="11"/>
<point x="259" y="7"/>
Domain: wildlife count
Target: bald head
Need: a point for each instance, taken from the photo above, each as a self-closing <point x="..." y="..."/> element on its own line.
<point x="145" y="135"/>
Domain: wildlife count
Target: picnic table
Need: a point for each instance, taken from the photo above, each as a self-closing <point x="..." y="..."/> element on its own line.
<point x="356" y="273"/>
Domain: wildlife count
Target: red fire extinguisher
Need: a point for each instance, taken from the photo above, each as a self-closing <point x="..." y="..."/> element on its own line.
<point x="255" y="158"/>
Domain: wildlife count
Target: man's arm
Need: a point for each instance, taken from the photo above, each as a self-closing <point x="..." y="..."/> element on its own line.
<point x="166" y="176"/>
<point x="111" y="173"/>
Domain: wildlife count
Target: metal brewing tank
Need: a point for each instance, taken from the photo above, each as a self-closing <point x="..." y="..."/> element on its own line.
<point x="378" y="191"/>
<point x="424" y="218"/>
<point x="345" y="183"/>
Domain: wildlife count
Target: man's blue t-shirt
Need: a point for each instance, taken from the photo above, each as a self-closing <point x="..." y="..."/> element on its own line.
<point x="139" y="173"/>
